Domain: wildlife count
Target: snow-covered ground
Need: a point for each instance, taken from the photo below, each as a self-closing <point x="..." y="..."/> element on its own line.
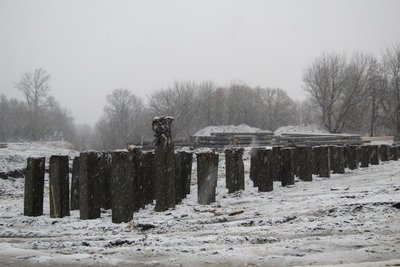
<point x="14" y="156"/>
<point x="301" y="129"/>
<point x="352" y="218"/>
<point x="242" y="128"/>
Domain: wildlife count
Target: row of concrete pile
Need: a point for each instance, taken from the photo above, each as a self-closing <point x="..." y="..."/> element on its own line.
<point x="126" y="181"/>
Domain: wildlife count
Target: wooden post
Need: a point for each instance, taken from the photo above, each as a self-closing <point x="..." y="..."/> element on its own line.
<point x="315" y="159"/>
<point x="384" y="152"/>
<point x="187" y="171"/>
<point x="75" y="184"/>
<point x="264" y="172"/>
<point x="59" y="186"/>
<point x="374" y="154"/>
<point x="164" y="163"/>
<point x="207" y="176"/>
<point x="34" y="187"/>
<point x="296" y="163"/>
<point x="353" y="157"/>
<point x="164" y="175"/>
<point x="338" y="159"/>
<point x="89" y="186"/>
<point x="305" y="164"/>
<point x="121" y="187"/>
<point x="254" y="165"/>
<point x="364" y="156"/>
<point x="105" y="170"/>
<point x="234" y="169"/>
<point x="179" y="189"/>
<point x="149" y="195"/>
<point x="183" y="167"/>
<point x="276" y="163"/>
<point x="324" y="161"/>
<point x="346" y="155"/>
<point x="394" y="153"/>
<point x="332" y="156"/>
<point x="287" y="159"/>
<point x="136" y="158"/>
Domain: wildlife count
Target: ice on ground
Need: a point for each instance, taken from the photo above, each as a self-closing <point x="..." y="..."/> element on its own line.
<point x="350" y="218"/>
<point x="242" y="128"/>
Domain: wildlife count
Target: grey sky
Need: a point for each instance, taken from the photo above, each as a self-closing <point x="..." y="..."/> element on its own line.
<point x="93" y="47"/>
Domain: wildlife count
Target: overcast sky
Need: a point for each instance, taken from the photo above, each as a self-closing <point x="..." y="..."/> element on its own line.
<point x="93" y="47"/>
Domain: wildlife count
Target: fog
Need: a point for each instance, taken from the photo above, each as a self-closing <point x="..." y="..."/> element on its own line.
<point x="93" y="47"/>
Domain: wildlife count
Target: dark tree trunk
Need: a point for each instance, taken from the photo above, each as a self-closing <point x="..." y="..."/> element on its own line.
<point x="34" y="187"/>
<point x="287" y="159"/>
<point x="121" y="188"/>
<point x="234" y="169"/>
<point x="89" y="186"/>
<point x="207" y="176"/>
<point x="75" y="184"/>
<point x="59" y="186"/>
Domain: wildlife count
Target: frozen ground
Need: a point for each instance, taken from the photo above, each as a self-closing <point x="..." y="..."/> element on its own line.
<point x="351" y="219"/>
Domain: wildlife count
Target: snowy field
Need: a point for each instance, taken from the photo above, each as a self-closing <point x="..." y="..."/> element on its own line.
<point x="351" y="219"/>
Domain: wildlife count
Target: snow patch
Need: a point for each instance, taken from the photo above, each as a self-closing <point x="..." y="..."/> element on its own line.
<point x="14" y="156"/>
<point x="242" y="128"/>
<point x="301" y="129"/>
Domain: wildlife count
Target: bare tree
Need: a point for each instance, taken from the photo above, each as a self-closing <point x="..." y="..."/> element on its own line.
<point x="180" y="101"/>
<point x="375" y="87"/>
<point x="35" y="87"/>
<point x="337" y="87"/>
<point x="391" y="101"/>
<point x="122" y="115"/>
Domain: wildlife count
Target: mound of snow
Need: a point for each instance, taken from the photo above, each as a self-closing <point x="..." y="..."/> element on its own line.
<point x="14" y="156"/>
<point x="242" y="128"/>
<point x="301" y="129"/>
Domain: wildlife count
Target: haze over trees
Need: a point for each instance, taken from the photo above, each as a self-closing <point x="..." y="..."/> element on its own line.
<point x="39" y="117"/>
<point x="354" y="93"/>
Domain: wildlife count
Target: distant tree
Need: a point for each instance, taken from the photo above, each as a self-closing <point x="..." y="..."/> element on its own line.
<point x="35" y="87"/>
<point x="337" y="86"/>
<point x="375" y="86"/>
<point x="3" y="117"/>
<point x="275" y="108"/>
<point x="180" y="101"/>
<point x="122" y="119"/>
<point x="391" y="99"/>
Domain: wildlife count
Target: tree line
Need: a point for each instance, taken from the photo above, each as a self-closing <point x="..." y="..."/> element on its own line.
<point x="355" y="93"/>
